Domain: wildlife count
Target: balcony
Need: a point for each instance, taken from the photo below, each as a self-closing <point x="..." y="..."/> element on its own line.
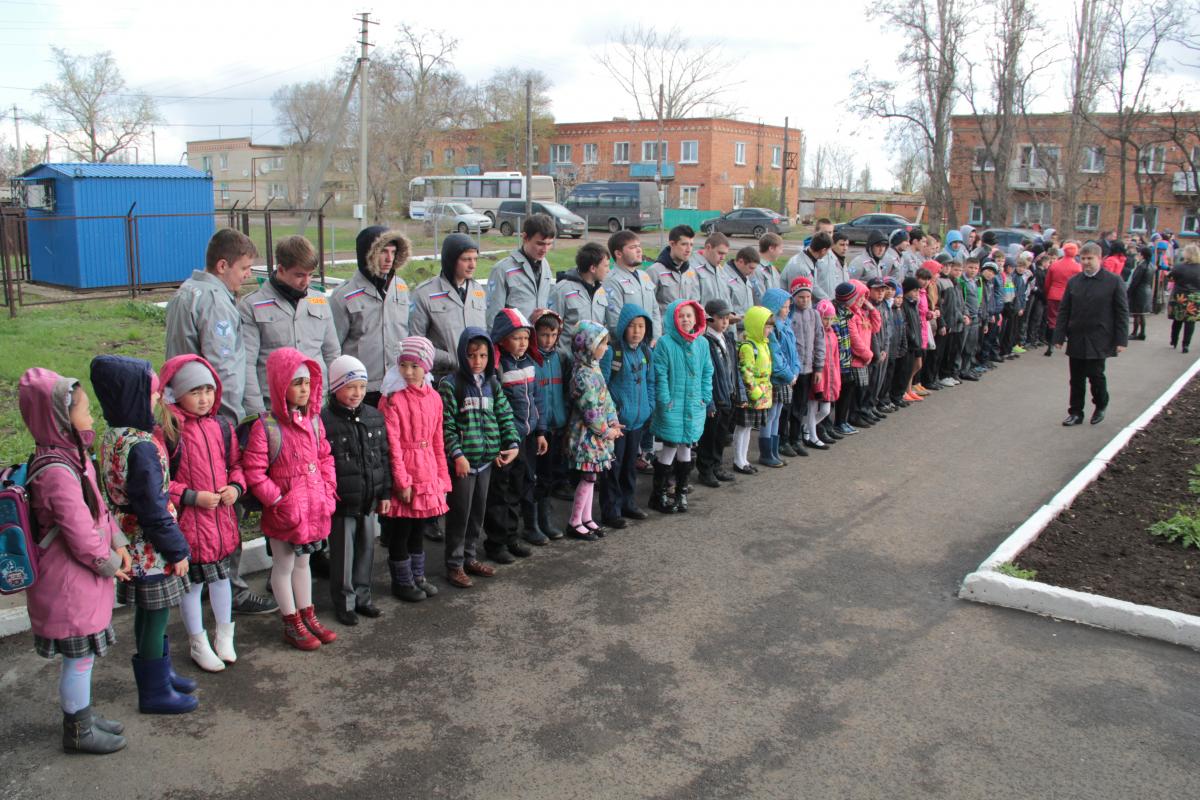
<point x="1024" y="176"/>
<point x="645" y="170"/>
<point x="1184" y="183"/>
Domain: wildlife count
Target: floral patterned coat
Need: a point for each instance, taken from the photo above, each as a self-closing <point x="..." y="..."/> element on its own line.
<point x="593" y="413"/>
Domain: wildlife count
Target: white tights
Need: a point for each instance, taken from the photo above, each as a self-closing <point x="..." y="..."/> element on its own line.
<point x="291" y="579"/>
<point x="817" y="411"/>
<point x="220" y="596"/>
<point x="670" y="452"/>
<point x="741" y="445"/>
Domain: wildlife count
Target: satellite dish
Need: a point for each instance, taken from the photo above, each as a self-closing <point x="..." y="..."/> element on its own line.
<point x="245" y="173"/>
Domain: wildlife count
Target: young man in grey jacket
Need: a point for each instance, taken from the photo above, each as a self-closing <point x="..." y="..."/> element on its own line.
<point x="522" y="280"/>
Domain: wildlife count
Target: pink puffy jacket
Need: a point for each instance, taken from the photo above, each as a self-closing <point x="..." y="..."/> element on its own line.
<point x="413" y="417"/>
<point x="204" y="466"/>
<point x="298" y="491"/>
<point x="73" y="595"/>
<point x="863" y="322"/>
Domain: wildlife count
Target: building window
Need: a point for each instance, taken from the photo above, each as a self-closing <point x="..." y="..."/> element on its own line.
<point x="474" y="155"/>
<point x="689" y="152"/>
<point x="689" y="196"/>
<point x="560" y="154"/>
<point x="1093" y="159"/>
<point x="224" y="192"/>
<point x="1087" y="217"/>
<point x="427" y="159"/>
<point x="977" y="216"/>
<point x="739" y="157"/>
<point x="1029" y="212"/>
<point x="448" y="156"/>
<point x="1152" y="160"/>
<point x="739" y="195"/>
<point x="276" y="191"/>
<point x="223" y="160"/>
<point x="620" y="152"/>
<point x="776" y="157"/>
<point x="276" y="163"/>
<point x="591" y="154"/>
<point x="983" y="161"/>
<point x="1143" y="218"/>
<point x="206" y="164"/>
<point x="1191" y="220"/>
<point x="650" y="151"/>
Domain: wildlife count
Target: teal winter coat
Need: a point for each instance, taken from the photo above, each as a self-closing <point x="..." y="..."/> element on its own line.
<point x="683" y="374"/>
<point x="628" y="371"/>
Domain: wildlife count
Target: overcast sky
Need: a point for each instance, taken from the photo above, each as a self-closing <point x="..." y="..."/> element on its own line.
<point x="213" y="65"/>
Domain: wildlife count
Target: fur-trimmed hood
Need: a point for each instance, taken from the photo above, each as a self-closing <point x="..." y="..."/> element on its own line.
<point x="370" y="244"/>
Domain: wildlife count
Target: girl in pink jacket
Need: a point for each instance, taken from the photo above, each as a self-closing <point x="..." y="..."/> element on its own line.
<point x="70" y="605"/>
<point x="206" y="480"/>
<point x="412" y="412"/>
<point x="290" y="469"/>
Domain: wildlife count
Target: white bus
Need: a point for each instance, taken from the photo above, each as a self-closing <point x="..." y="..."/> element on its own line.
<point x="484" y="193"/>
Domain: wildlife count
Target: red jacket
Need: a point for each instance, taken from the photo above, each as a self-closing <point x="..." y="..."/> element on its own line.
<point x="203" y="466"/>
<point x="831" y="373"/>
<point x="1057" y="276"/>
<point x="1114" y="264"/>
<point x="863" y="322"/>
<point x="298" y="491"/>
<point x="413" y="417"/>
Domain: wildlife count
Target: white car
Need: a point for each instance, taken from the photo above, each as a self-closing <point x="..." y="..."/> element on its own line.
<point x="455" y="216"/>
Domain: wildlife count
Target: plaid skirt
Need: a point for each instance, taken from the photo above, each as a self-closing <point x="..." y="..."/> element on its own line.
<point x="781" y="394"/>
<point x="153" y="595"/>
<point x="749" y="417"/>
<point x="215" y="572"/>
<point x="857" y="375"/>
<point x="303" y="549"/>
<point x="93" y="644"/>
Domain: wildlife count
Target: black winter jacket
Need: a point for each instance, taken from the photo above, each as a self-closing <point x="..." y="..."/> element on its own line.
<point x="360" y="454"/>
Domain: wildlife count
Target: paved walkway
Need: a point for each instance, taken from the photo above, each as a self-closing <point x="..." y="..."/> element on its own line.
<point x="796" y="637"/>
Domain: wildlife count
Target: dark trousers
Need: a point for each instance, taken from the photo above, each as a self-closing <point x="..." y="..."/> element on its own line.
<point x="464" y="522"/>
<point x="1087" y="371"/>
<point x="1188" y="329"/>
<point x="506" y="498"/>
<point x="900" y="372"/>
<point x="847" y="402"/>
<point x="989" y="345"/>
<point x="876" y="372"/>
<point x="710" y="451"/>
<point x="949" y="349"/>
<point x="1008" y="330"/>
<point x="619" y="484"/>
<point x="1034" y="312"/>
<point x="403" y="536"/>
<point x="929" y="369"/>
<point x="351" y="557"/>
<point x="551" y="465"/>
<point x="799" y="409"/>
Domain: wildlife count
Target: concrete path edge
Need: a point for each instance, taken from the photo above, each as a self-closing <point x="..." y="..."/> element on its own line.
<point x="987" y="585"/>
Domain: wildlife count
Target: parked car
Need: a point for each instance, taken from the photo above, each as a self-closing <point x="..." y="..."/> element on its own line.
<point x="614" y="205"/>
<point x="859" y="228"/>
<point x="1007" y="236"/>
<point x="455" y="216"/>
<point x="747" y="222"/>
<point x="511" y="214"/>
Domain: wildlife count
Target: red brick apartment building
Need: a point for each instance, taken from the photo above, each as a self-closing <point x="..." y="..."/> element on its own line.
<point x="1161" y="185"/>
<point x="708" y="163"/>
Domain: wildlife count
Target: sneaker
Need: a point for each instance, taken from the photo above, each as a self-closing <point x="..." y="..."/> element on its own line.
<point x="913" y="398"/>
<point x="255" y="604"/>
<point x="1018" y="349"/>
<point x="948" y="382"/>
<point x="846" y="429"/>
<point x="919" y="390"/>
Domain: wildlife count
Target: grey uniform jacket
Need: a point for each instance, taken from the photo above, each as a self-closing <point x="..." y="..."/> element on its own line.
<point x="440" y="315"/>
<point x="516" y="283"/>
<point x="370" y="327"/>
<point x="571" y="300"/>
<point x="670" y="285"/>
<point x="630" y="286"/>
<point x="800" y="265"/>
<point x="269" y="322"/>
<point x="203" y="320"/>
<point x="864" y="268"/>
<point x="765" y="277"/>
<point x="738" y="291"/>
<point x="830" y="272"/>
<point x="710" y="280"/>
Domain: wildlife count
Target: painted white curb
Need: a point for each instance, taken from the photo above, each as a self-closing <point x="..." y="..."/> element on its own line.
<point x="986" y="585"/>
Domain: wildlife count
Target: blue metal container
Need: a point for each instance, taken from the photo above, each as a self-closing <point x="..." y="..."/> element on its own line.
<point x="92" y="252"/>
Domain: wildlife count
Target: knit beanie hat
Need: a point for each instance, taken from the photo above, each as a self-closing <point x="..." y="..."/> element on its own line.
<point x="301" y="372"/>
<point x="186" y="378"/>
<point x="825" y="309"/>
<point x="417" y="350"/>
<point x="343" y="370"/>
<point x="844" y="292"/>
<point x="801" y="284"/>
<point x="909" y="284"/>
<point x="989" y="265"/>
<point x="898" y="237"/>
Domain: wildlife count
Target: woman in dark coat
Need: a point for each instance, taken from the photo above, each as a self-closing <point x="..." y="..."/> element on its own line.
<point x="1139" y="289"/>
<point x="1185" y="296"/>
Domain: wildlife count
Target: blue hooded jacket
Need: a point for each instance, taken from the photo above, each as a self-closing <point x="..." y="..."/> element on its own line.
<point x="785" y="361"/>
<point x="630" y="379"/>
<point x="123" y="386"/>
<point x="518" y="376"/>
<point x="960" y="254"/>
<point x="552" y="369"/>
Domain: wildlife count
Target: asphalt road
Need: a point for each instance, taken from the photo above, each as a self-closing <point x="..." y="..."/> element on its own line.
<point x="795" y="637"/>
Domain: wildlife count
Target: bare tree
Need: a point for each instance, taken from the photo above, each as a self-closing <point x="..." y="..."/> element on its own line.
<point x="693" y="77"/>
<point x="864" y="179"/>
<point x="89" y="109"/>
<point x="907" y="168"/>
<point x="935" y="30"/>
<point x="1137" y="33"/>
<point x="841" y="167"/>
<point x="499" y="112"/>
<point x="818" y="166"/>
<point x="306" y="112"/>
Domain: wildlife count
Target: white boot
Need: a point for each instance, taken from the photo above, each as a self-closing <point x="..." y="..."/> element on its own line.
<point x="223" y="642"/>
<point x="203" y="654"/>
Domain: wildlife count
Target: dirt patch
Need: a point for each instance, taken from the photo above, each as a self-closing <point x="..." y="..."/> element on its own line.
<point x="1100" y="543"/>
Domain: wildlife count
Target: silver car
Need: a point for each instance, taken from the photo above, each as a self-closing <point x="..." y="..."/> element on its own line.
<point x="455" y="217"/>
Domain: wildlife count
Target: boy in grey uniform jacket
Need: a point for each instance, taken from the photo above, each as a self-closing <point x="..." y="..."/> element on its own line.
<point x="521" y="280"/>
<point x="447" y="304"/>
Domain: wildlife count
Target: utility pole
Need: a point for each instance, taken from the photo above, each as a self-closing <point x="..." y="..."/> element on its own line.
<point x="658" y="166"/>
<point x="363" y="114"/>
<point x="20" y="155"/>
<point x="153" y="147"/>
<point x="783" y="208"/>
<point x="528" y="147"/>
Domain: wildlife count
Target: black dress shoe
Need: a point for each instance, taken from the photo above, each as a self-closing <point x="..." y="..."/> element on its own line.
<point x="503" y="556"/>
<point x="368" y="609"/>
<point x="1073" y="419"/>
<point x="345" y="616"/>
<point x="749" y="469"/>
<point x="519" y="549"/>
<point x="1097" y="416"/>
<point x="723" y="474"/>
<point x="634" y="513"/>
<point x="708" y="479"/>
<point x="614" y="522"/>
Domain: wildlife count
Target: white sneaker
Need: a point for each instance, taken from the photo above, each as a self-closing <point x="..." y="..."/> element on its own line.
<point x="223" y="643"/>
<point x="947" y="382"/>
<point x="203" y="655"/>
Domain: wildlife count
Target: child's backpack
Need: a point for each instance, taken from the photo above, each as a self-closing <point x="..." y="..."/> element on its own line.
<point x="175" y="451"/>
<point x="274" y="445"/>
<point x="20" y="542"/>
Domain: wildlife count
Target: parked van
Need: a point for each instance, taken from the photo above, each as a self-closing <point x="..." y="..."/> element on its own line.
<point x="613" y="206"/>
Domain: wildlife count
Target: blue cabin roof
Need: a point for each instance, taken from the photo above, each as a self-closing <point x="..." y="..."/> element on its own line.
<point x="84" y="170"/>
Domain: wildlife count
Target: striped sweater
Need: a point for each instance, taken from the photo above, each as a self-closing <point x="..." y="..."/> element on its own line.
<point x="480" y="426"/>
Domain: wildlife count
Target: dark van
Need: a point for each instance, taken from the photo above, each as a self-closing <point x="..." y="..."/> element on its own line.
<point x="612" y="206"/>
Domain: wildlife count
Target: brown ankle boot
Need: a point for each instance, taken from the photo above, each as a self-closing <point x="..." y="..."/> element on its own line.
<point x="309" y="616"/>
<point x="295" y="634"/>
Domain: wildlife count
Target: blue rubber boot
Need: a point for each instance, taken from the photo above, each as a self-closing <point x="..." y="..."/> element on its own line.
<point x="178" y="682"/>
<point x="155" y="695"/>
<point x="766" y="452"/>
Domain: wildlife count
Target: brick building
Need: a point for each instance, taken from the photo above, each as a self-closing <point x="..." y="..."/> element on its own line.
<point x="1160" y="177"/>
<point x="708" y="163"/>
